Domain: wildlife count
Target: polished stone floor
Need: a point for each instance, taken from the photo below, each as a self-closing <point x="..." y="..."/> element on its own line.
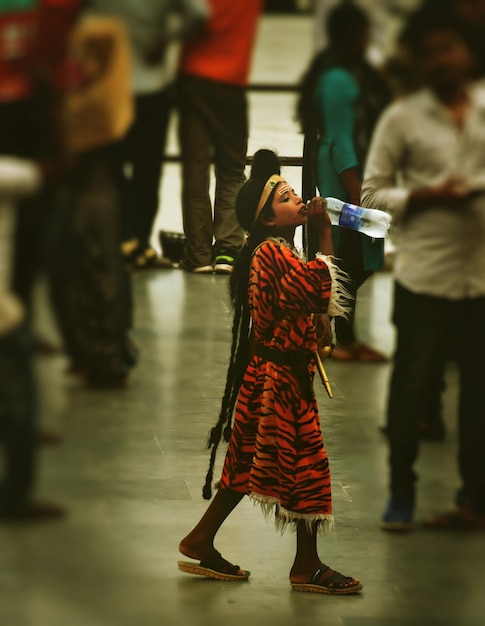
<point x="131" y="463"/>
<point x="130" y="468"/>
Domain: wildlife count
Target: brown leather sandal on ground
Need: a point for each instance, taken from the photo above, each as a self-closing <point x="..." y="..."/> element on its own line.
<point x="333" y="584"/>
<point x="214" y="567"/>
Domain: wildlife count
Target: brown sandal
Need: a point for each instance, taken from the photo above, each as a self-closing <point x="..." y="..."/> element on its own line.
<point x="214" y="567"/>
<point x="333" y="584"/>
<point x="461" y="519"/>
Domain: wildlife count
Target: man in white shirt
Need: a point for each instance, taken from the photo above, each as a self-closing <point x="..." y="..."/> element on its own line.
<point x="426" y="167"/>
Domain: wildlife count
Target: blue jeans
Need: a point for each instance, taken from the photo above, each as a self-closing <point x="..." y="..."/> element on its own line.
<point x="18" y="423"/>
<point x="430" y="329"/>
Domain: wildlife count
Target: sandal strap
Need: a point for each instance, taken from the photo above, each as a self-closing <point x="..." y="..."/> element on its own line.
<point x="332" y="581"/>
<point x="219" y="564"/>
<point x="317" y="574"/>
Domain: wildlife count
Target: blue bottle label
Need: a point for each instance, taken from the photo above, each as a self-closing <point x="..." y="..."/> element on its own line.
<point x="351" y="216"/>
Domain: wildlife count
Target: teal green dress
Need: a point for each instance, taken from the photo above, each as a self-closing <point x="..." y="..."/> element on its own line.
<point x="337" y="95"/>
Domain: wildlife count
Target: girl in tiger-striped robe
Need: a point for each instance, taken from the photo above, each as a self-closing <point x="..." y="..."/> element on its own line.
<point x="276" y="454"/>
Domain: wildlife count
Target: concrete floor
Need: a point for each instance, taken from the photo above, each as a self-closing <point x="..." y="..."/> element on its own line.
<point x="131" y="464"/>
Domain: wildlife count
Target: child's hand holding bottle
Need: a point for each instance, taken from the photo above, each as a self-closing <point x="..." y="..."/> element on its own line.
<point x="317" y="214"/>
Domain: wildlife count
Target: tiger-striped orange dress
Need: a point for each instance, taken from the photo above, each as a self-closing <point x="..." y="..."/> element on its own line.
<point x="276" y="453"/>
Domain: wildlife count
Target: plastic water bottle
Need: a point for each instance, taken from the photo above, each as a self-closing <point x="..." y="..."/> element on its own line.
<point x="371" y="222"/>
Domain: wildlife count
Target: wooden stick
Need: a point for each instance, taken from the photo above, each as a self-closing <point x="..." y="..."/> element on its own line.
<point x="323" y="373"/>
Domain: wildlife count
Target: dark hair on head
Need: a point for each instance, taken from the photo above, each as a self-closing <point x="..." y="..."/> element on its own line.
<point x="265" y="163"/>
<point x="427" y="20"/>
<point x="344" y="19"/>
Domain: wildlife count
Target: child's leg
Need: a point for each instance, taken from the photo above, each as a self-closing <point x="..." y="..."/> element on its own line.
<point x="308" y="573"/>
<point x="199" y="543"/>
<point x="306" y="560"/>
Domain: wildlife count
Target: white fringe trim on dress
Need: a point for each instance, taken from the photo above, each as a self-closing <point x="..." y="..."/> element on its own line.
<point x="284" y="518"/>
<point x="339" y="305"/>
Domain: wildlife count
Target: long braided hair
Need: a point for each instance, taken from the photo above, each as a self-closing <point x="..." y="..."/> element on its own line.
<point x="265" y="163"/>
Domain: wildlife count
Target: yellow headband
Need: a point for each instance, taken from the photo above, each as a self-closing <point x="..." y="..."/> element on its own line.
<point x="269" y="185"/>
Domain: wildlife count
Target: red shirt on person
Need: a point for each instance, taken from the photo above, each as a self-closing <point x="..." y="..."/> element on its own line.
<point x="222" y="52"/>
<point x="33" y="34"/>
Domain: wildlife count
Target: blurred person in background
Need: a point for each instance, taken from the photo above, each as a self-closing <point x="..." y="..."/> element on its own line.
<point x="29" y="71"/>
<point x="54" y="111"/>
<point x="155" y="29"/>
<point x="341" y="98"/>
<point x="18" y="393"/>
<point x="33" y="39"/>
<point x="385" y="16"/>
<point x="425" y="166"/>
<point x="401" y="73"/>
<point x="471" y="15"/>
<point x="213" y="125"/>
<point x="90" y="287"/>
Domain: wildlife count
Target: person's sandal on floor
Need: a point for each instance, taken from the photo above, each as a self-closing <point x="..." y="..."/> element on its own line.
<point x="463" y="518"/>
<point x="328" y="581"/>
<point x="214" y="567"/>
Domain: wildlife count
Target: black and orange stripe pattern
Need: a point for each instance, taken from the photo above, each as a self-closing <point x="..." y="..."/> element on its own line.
<point x="276" y="453"/>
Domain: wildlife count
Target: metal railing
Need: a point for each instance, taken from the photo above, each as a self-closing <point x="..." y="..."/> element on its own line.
<point x="288" y="160"/>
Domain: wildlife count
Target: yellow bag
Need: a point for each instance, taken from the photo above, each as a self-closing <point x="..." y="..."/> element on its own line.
<point x="99" y="109"/>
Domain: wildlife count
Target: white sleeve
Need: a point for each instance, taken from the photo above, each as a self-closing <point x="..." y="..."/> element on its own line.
<point x="380" y="187"/>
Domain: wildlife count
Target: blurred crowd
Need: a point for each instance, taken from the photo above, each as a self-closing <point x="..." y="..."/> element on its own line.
<point x="87" y="90"/>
